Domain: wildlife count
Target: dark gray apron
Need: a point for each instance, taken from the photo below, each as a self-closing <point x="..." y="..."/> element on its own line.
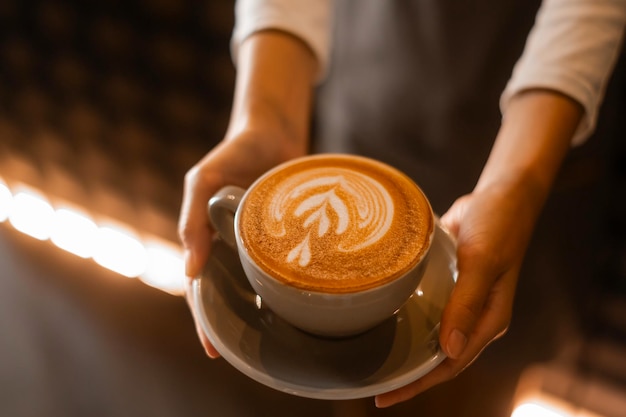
<point x="417" y="84"/>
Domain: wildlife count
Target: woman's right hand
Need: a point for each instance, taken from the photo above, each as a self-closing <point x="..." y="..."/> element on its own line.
<point x="236" y="161"/>
<point x="269" y="125"/>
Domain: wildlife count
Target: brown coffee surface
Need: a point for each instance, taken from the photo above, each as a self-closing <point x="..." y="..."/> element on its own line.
<point x="335" y="223"/>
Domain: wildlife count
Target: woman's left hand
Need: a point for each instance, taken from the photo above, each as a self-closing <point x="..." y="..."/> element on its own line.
<point x="492" y="229"/>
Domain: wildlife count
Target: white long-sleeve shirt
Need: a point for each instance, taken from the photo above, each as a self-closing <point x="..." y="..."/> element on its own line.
<point x="572" y="47"/>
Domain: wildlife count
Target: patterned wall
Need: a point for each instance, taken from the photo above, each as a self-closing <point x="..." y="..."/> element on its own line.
<point x="107" y="104"/>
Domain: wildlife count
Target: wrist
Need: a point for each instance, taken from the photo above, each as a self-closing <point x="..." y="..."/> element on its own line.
<point x="533" y="140"/>
<point x="529" y="149"/>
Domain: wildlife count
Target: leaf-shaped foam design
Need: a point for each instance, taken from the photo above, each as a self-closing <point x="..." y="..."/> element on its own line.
<point x="360" y="206"/>
<point x="320" y="203"/>
<point x="301" y="253"/>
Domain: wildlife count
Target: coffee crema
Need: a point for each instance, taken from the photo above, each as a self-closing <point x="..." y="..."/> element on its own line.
<point x="335" y="223"/>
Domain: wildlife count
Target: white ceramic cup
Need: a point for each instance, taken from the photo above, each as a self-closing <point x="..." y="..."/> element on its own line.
<point x="327" y="314"/>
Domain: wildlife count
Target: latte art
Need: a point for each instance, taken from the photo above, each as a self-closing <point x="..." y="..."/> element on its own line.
<point x="331" y="200"/>
<point x="335" y="223"/>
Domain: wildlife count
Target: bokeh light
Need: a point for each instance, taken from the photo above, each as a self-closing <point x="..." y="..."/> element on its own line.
<point x="74" y="232"/>
<point x="120" y="251"/>
<point x="32" y="214"/>
<point x="538" y="409"/>
<point x="6" y="201"/>
<point x="165" y="268"/>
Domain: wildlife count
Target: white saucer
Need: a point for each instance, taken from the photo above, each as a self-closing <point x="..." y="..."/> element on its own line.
<point x="265" y="348"/>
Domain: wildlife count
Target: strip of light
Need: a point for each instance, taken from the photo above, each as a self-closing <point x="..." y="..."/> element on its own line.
<point x="6" y="201"/>
<point x="74" y="232"/>
<point x="541" y="404"/>
<point x="538" y="409"/>
<point x="111" y="245"/>
<point x="164" y="262"/>
<point x="120" y="250"/>
<point x="31" y="213"/>
<point x="550" y="390"/>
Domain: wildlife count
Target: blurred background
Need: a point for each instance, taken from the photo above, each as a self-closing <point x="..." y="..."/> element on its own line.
<point x="103" y="108"/>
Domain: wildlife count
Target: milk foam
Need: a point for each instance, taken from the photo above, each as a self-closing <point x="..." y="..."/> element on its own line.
<point x="335" y="223"/>
<point x="348" y="204"/>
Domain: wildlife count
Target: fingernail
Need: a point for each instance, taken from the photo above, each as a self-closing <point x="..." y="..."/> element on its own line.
<point x="456" y="344"/>
<point x="381" y="402"/>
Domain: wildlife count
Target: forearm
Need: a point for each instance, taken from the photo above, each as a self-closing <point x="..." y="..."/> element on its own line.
<point x="269" y="124"/>
<point x="274" y="86"/>
<point x="535" y="136"/>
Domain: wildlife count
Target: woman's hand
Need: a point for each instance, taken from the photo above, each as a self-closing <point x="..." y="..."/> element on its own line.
<point x="269" y="124"/>
<point x="493" y="226"/>
<point x="492" y="229"/>
<point x="236" y="161"/>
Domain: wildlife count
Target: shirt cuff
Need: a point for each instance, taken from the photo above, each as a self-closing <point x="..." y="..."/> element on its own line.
<point x="571" y="49"/>
<point x="309" y="20"/>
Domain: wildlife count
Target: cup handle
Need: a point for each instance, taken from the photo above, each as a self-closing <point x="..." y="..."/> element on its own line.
<point x="222" y="208"/>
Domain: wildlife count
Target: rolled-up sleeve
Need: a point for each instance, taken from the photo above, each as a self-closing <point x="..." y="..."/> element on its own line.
<point x="571" y="49"/>
<point x="309" y="20"/>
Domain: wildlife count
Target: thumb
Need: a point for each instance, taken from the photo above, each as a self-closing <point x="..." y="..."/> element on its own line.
<point x="196" y="253"/>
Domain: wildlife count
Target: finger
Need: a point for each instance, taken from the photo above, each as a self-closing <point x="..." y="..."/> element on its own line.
<point x="204" y="340"/>
<point x="451" y="220"/>
<point x="479" y="267"/>
<point x="194" y="227"/>
<point x="206" y="344"/>
<point x="490" y="326"/>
